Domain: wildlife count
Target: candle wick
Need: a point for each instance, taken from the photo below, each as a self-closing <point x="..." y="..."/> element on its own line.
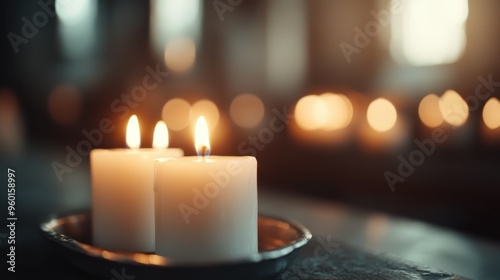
<point x="203" y="151"/>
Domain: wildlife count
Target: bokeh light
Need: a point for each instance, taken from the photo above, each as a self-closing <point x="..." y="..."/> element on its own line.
<point x="207" y="109"/>
<point x="176" y="113"/>
<point x="453" y="107"/>
<point x="311" y="112"/>
<point x="381" y="115"/>
<point x="180" y="54"/>
<point x="65" y="105"/>
<point x="491" y="113"/>
<point x="9" y="105"/>
<point x="247" y="110"/>
<point x="71" y="12"/>
<point x="428" y="111"/>
<point x="339" y="111"/>
<point x="11" y="124"/>
<point x="422" y="35"/>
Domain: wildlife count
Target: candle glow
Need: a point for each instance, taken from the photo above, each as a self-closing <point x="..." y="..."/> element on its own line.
<point x="160" y="136"/>
<point x="133" y="136"/>
<point x="201" y="139"/>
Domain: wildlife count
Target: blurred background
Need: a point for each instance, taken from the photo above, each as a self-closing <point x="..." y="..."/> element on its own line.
<point x="384" y="105"/>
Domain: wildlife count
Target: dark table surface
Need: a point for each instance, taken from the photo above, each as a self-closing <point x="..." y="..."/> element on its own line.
<point x="367" y="245"/>
<point x="398" y="243"/>
<point x="348" y="263"/>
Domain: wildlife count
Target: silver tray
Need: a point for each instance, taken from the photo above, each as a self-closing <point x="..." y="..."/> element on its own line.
<point x="70" y="236"/>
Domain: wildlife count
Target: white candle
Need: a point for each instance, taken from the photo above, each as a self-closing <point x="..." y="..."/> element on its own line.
<point x="206" y="207"/>
<point x="122" y="191"/>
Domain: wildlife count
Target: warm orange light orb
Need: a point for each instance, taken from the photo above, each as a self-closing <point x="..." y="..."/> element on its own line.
<point x="491" y="113"/>
<point x="311" y="112"/>
<point x="247" y="110"/>
<point x="381" y="115"/>
<point x="339" y="111"/>
<point x="428" y="111"/>
<point x="208" y="110"/>
<point x="454" y="109"/>
<point x="176" y="113"/>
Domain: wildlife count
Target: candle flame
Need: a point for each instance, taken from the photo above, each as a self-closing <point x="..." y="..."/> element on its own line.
<point x="160" y="136"/>
<point x="201" y="139"/>
<point x="133" y="136"/>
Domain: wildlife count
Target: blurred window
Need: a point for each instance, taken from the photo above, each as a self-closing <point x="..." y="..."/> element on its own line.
<point x="429" y="32"/>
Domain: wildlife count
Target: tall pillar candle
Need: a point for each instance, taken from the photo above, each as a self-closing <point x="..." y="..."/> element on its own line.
<point x="206" y="207"/>
<point x="122" y="193"/>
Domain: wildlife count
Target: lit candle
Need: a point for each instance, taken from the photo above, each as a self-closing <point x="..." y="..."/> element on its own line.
<point x="206" y="207"/>
<point x="122" y="191"/>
